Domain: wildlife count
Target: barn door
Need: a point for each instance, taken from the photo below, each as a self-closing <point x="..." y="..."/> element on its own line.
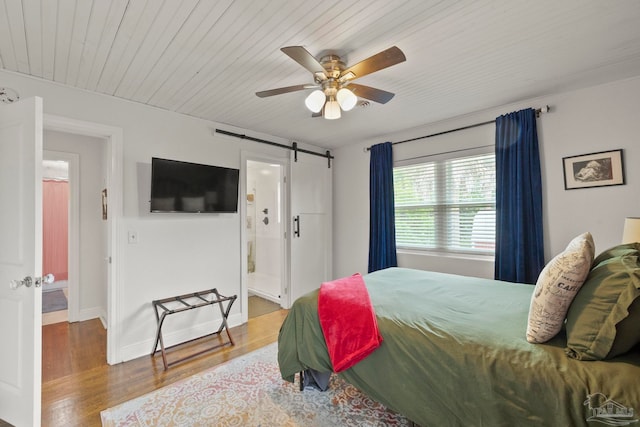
<point x="311" y="224"/>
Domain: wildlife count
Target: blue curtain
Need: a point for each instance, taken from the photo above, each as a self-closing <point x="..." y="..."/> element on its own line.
<point x="382" y="227"/>
<point x="519" y="246"/>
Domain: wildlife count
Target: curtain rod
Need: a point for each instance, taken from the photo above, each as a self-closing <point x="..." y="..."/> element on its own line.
<point x="447" y="152"/>
<point x="544" y="109"/>
<point x="293" y="146"/>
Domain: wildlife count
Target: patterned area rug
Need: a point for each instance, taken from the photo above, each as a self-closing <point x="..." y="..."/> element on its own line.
<point x="249" y="391"/>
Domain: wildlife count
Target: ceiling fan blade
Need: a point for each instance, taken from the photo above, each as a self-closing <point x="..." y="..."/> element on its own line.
<point x="377" y="95"/>
<point x="304" y="58"/>
<point x="379" y="61"/>
<point x="281" y="90"/>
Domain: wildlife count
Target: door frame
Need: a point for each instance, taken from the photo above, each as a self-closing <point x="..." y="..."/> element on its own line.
<point x="73" y="236"/>
<point x="113" y="137"/>
<point x="245" y="157"/>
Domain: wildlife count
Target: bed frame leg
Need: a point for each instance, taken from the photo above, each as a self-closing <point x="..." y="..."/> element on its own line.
<point x="301" y="380"/>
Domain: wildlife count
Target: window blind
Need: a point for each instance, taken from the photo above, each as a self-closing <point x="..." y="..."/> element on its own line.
<point x="446" y="205"/>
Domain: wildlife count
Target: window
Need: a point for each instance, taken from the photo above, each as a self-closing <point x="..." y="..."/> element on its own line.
<point x="446" y="204"/>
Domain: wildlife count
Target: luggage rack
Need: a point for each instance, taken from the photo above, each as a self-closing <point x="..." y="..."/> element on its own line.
<point x="186" y="302"/>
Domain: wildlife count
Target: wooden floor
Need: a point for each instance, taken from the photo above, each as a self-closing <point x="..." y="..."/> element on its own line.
<point x="259" y="306"/>
<point x="77" y="383"/>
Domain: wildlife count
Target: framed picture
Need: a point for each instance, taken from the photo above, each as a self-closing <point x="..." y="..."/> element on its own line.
<point x="593" y="170"/>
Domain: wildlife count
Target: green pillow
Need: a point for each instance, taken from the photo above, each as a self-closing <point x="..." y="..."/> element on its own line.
<point x="627" y="331"/>
<point x="602" y="303"/>
<point x="616" y="251"/>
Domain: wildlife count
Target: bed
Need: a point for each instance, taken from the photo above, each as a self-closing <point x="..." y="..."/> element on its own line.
<point x="455" y="353"/>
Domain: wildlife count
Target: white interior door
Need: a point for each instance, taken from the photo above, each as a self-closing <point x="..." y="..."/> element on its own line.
<point x="311" y="211"/>
<point x="21" y="257"/>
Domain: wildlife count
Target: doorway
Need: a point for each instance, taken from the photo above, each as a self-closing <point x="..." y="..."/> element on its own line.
<point x="56" y="201"/>
<point x="112" y="147"/>
<point x="264" y="230"/>
<point x="87" y="249"/>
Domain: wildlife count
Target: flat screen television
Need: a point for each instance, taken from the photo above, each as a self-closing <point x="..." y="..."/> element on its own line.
<point x="178" y="186"/>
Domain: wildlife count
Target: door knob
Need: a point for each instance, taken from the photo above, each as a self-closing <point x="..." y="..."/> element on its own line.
<point x="28" y="281"/>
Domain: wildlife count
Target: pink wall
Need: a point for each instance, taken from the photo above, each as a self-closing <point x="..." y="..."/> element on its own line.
<point x="55" y="247"/>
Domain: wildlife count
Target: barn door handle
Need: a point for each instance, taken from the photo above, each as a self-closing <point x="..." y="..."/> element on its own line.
<point x="296" y="226"/>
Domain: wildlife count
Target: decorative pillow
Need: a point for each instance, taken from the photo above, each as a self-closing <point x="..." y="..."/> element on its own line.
<point x="616" y="251"/>
<point x="556" y="287"/>
<point x="598" y="312"/>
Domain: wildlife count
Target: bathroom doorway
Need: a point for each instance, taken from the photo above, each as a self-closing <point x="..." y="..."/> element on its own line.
<point x="265" y="230"/>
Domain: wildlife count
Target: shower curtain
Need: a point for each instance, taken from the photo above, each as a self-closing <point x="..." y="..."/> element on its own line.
<point x="55" y="207"/>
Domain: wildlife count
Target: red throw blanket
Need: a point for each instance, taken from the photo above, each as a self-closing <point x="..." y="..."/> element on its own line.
<point x="348" y="321"/>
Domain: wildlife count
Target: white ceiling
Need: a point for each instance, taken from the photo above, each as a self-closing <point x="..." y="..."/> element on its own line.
<point x="207" y="58"/>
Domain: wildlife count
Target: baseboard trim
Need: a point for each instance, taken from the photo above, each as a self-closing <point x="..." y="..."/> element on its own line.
<point x="264" y="295"/>
<point x="103" y="318"/>
<point x="143" y="348"/>
<point x="90" y="313"/>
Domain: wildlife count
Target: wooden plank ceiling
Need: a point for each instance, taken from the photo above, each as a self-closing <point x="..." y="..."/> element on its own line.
<point x="208" y="58"/>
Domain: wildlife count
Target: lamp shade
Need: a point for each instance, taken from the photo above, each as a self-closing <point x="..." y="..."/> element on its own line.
<point x="315" y="101"/>
<point x="332" y="109"/>
<point x="346" y="99"/>
<point x="631" y="233"/>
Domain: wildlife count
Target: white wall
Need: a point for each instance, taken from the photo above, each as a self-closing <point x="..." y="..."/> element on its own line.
<point x="92" y="281"/>
<point x="176" y="253"/>
<point x="590" y="120"/>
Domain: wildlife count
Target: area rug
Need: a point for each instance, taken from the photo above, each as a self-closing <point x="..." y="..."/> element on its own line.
<point x="249" y="391"/>
<point x="53" y="300"/>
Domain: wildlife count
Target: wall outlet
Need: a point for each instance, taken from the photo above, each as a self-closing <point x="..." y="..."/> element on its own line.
<point x="132" y="237"/>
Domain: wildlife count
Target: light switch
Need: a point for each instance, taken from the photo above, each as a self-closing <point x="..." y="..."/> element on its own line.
<point x="133" y="237"/>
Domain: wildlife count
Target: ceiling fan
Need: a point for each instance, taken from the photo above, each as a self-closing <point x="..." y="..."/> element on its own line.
<point x="333" y="81"/>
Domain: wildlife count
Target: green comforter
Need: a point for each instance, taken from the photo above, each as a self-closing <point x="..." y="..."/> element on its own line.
<point x="455" y="354"/>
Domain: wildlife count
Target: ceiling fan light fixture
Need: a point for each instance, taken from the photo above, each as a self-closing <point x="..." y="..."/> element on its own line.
<point x="333" y="80"/>
<point x="315" y="101"/>
<point x="332" y="109"/>
<point x="346" y="99"/>
<point x="347" y="76"/>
